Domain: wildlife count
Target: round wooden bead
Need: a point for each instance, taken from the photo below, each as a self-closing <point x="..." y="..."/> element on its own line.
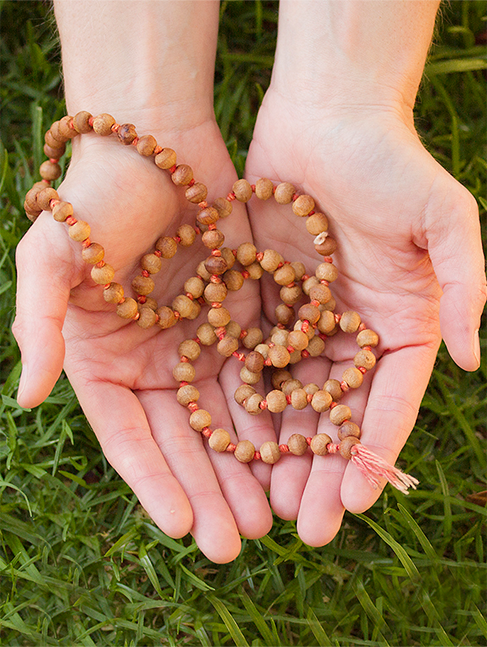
<point x="271" y="260"/>
<point x="326" y="272"/>
<point x="143" y="285"/>
<point x="303" y="205"/>
<point x="365" y="358"/>
<point x="253" y="337"/>
<point x="147" y="317"/>
<point x="151" y="263"/>
<point x="298" y="340"/>
<point x="166" y="317"/>
<point x="252" y="404"/>
<point x="339" y="414"/>
<point x="184" y="372"/>
<point x="195" y="310"/>
<point x="317" y="224"/>
<point x="270" y="452"/>
<point x="243" y="392"/>
<point x="279" y="356"/>
<point x="255" y="271"/>
<point x="234" y="329"/>
<point x="350" y="321"/>
<point x="321" y="401"/>
<point x="64" y="128"/>
<point x="276" y="401"/>
<point x="284" y="193"/>
<point x="218" y="317"/>
<point x="187" y="235"/>
<point x="233" y="280"/>
<point x="279" y="377"/>
<point x="93" y="254"/>
<point x="203" y="272"/>
<point x="353" y="377"/>
<point x="263" y="188"/>
<point x="45" y="196"/>
<point x="280" y="336"/>
<point x="199" y="419"/>
<point x="254" y="362"/>
<point x="206" y="334"/>
<point x="80" y="231"/>
<point x="127" y="133"/>
<point x="213" y="239"/>
<point x="186" y="394"/>
<point x="320" y="293"/>
<point x="326" y="323"/>
<point x="284" y="275"/>
<point x="102" y="124"/>
<point x="249" y="377"/>
<point x="215" y="292"/>
<point x="208" y="216"/>
<point x="102" y="275"/>
<point x="146" y="145"/>
<point x="81" y="122"/>
<point x="316" y="346"/>
<point x="327" y="247"/>
<point x="310" y="313"/>
<point x="113" y="293"/>
<point x="299" y="269"/>
<point x="227" y="254"/>
<point x="216" y="265"/>
<point x="223" y="207"/>
<point x="295" y="357"/>
<point x="54" y="153"/>
<point x="150" y="303"/>
<point x="50" y="171"/>
<point x="189" y="348"/>
<point x="334" y="389"/>
<point x="183" y="174"/>
<point x="183" y="305"/>
<point x="319" y="444"/>
<point x="290" y="385"/>
<point x="346" y="446"/>
<point x="308" y="284"/>
<point x="284" y="314"/>
<point x="219" y="440"/>
<point x="227" y="346"/>
<point x="196" y="193"/>
<point x="297" y="444"/>
<point x="167" y="246"/>
<point x="128" y="309"/>
<point x="242" y="190"/>
<point x="299" y="326"/>
<point x="31" y="197"/>
<point x="299" y="399"/>
<point x="290" y="295"/>
<point x="367" y="338"/>
<point x="330" y="305"/>
<point x="61" y="211"/>
<point x="166" y="159"/>
<point x="246" y="253"/>
<point x="244" y="451"/>
<point x="349" y="428"/>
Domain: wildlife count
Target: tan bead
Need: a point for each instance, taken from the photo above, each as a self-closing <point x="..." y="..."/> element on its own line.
<point x="80" y="231"/>
<point x="263" y="349"/>
<point x="317" y="224"/>
<point x="320" y="293"/>
<point x="223" y="206"/>
<point x="253" y="337"/>
<point x="350" y="321"/>
<point x="143" y="285"/>
<point x="199" y="419"/>
<point x="339" y="414"/>
<point x="206" y="334"/>
<point x="331" y="306"/>
<point x="167" y="246"/>
<point x="113" y="293"/>
<point x="290" y="385"/>
<point x="309" y="332"/>
<point x="310" y="313"/>
<point x="227" y="346"/>
<point x="367" y="337"/>
<point x="349" y="428"/>
<point x="279" y="377"/>
<point x="186" y="394"/>
<point x="270" y="452"/>
<point x="242" y="190"/>
<point x="284" y="275"/>
<point x="196" y="193"/>
<point x="127" y="133"/>
<point x="81" y="122"/>
<point x="280" y="337"/>
<point x="263" y="188"/>
<point x="246" y="253"/>
<point x="244" y="451"/>
<point x="219" y="440"/>
<point x="326" y="322"/>
<point x="146" y="145"/>
<point x="252" y="404"/>
<point x="166" y="317"/>
<point x="195" y="310"/>
<point x="271" y="260"/>
<point x="183" y="305"/>
<point x="51" y="140"/>
<point x="216" y="265"/>
<point x="284" y="314"/>
<point x="128" y="309"/>
<point x="215" y="292"/>
<point x="102" y="275"/>
<point x="243" y="392"/>
<point x="298" y="340"/>
<point x="233" y="280"/>
<point x="365" y="359"/>
<point x="93" y="254"/>
<point x="54" y="153"/>
<point x="184" y="372"/>
<point x="321" y="401"/>
<point x="284" y="193"/>
<point x="44" y="197"/>
<point x="346" y="446"/>
<point x="308" y="284"/>
<point x="319" y="444"/>
<point x="233" y="329"/>
<point x="299" y="269"/>
<point x="279" y="356"/>
<point x="187" y="235"/>
<point x="295" y="357"/>
<point x="297" y="444"/>
<point x="218" y="317"/>
<point x="183" y="174"/>
<point x="150" y="303"/>
<point x="65" y="129"/>
<point x="32" y="214"/>
<point x="255" y="271"/>
<point x="327" y="247"/>
<point x="31" y="196"/>
<point x="203" y="272"/>
<point x="254" y="362"/>
<point x="334" y="389"/>
<point x="102" y="124"/>
<point x="151" y="263"/>
<point x="213" y="239"/>
<point x="326" y="272"/>
<point x="189" y="348"/>
<point x="276" y="401"/>
<point x="249" y="377"/>
<point x="292" y="295"/>
<point x="299" y="399"/>
<point x="194" y="286"/>
<point x="166" y="159"/>
<point x="207" y="216"/>
<point x="50" y="171"/>
<point x="353" y="377"/>
<point x="303" y="205"/>
<point x="316" y="346"/>
<point x="147" y="317"/>
<point x="227" y="254"/>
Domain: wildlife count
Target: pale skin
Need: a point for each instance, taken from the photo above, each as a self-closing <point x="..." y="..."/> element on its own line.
<point x="360" y="159"/>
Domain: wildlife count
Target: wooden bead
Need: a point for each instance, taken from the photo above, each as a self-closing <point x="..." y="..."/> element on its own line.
<point x="166" y="159"/>
<point x="299" y="399"/>
<point x="233" y="329"/>
<point x="270" y="452"/>
<point x="242" y="190"/>
<point x="223" y="206"/>
<point x="292" y="295"/>
<point x="316" y="346"/>
<point x="166" y="317"/>
<point x="32" y="214"/>
<point x="50" y="171"/>
<point x="182" y="175"/>
<point x="298" y="340"/>
<point x="52" y="142"/>
<point x="207" y="216"/>
<point x="284" y="275"/>
<point x="317" y="224"/>
<point x="334" y="389"/>
<point x="113" y="293"/>
<point x="183" y="305"/>
<point x="206" y="334"/>
<point x="253" y="337"/>
<point x="167" y="246"/>
<point x="93" y="254"/>
<point x="367" y="337"/>
<point x="80" y="231"/>
<point x="350" y="321"/>
<point x="326" y="323"/>
<point x="327" y="247"/>
<point x="233" y="280"/>
<point x="291" y="385"/>
<point x="215" y="265"/>
<point x="218" y="317"/>
<point x="276" y="401"/>
<point x="279" y="356"/>
<point x="279" y="377"/>
<point x="249" y="377"/>
<point x="54" y="153"/>
<point x="246" y="253"/>
<point x="189" y="348"/>
<point x="299" y="269"/>
<point x="199" y="419"/>
<point x="284" y="314"/>
<point x="146" y="145"/>
<point x="308" y="284"/>
<point x="353" y="377"/>
<point x="326" y="272"/>
<point x="45" y="196"/>
<point x="186" y="394"/>
<point x="244" y="451"/>
<point x="319" y="444"/>
<point x="187" y="235"/>
<point x="254" y="362"/>
<point x="284" y="193"/>
<point x="128" y="309"/>
<point x="151" y="263"/>
<point x="61" y="211"/>
<point x="143" y="285"/>
<point x="364" y="358"/>
<point x="310" y="313"/>
<point x="213" y="239"/>
<point x="127" y="133"/>
<point x="349" y="428"/>
<point x="219" y="440"/>
<point x="321" y="401"/>
<point x="255" y="271"/>
<point x="227" y="254"/>
<point x="150" y="303"/>
<point x="243" y="392"/>
<point x="320" y="293"/>
<point x="339" y="414"/>
<point x="303" y="205"/>
<point x="297" y="444"/>
<point x="102" y="275"/>
<point x="299" y="326"/>
<point x="346" y="446"/>
<point x="252" y="404"/>
<point x="331" y="306"/>
<point x="196" y="193"/>
<point x="102" y="124"/>
<point x="31" y="197"/>
<point x="65" y="129"/>
<point x="81" y="122"/>
<point x="194" y="286"/>
<point x="215" y="292"/>
<point x="263" y="188"/>
<point x="271" y="260"/>
<point x="147" y="317"/>
<point x="227" y="346"/>
<point x="280" y="336"/>
<point x="184" y="372"/>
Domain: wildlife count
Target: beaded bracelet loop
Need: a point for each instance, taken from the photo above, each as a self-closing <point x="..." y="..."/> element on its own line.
<point x="224" y="270"/>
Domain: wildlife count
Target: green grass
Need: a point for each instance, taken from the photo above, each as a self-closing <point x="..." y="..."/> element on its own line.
<point x="81" y="563"/>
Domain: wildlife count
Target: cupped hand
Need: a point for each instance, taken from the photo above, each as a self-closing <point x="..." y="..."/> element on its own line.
<point x="122" y="374"/>
<point x="411" y="264"/>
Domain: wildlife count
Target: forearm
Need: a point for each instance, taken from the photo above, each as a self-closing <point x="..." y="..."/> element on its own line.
<point x="150" y="61"/>
<point x="353" y="51"/>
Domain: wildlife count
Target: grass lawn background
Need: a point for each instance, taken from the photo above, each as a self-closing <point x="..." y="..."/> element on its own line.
<point x="80" y="561"/>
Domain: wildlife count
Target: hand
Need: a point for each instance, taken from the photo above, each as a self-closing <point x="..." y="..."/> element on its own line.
<point x="121" y="373"/>
<point x="410" y="257"/>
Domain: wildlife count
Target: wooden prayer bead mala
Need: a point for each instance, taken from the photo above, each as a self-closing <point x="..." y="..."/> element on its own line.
<point x="215" y="276"/>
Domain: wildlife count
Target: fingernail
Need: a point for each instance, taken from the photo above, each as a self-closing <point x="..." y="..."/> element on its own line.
<point x="476" y="347"/>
